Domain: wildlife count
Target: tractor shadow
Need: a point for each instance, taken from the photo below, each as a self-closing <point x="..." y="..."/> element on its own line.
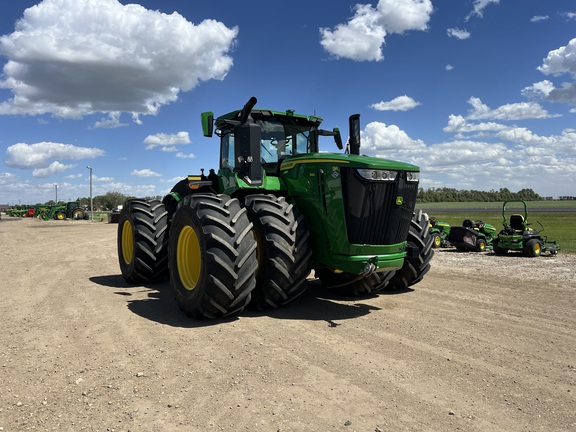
<point x="316" y="304"/>
<point x="158" y="306"/>
<point x="322" y="304"/>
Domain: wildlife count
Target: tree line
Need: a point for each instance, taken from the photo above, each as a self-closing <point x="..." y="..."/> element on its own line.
<point x="112" y="200"/>
<point x="455" y="195"/>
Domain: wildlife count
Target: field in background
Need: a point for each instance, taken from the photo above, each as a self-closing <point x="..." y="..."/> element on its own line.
<point x="552" y="205"/>
<point x="558" y="225"/>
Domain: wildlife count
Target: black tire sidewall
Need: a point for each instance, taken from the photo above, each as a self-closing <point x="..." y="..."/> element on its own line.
<point x="187" y="299"/>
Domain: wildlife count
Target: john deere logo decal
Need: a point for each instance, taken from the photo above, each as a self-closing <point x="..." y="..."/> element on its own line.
<point x="399" y="200"/>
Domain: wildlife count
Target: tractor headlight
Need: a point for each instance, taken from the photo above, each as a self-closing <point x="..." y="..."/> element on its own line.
<point x="378" y="175"/>
<point x="413" y="177"/>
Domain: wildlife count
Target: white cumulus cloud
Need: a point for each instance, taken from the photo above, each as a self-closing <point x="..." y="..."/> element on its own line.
<point x="185" y="156"/>
<point x="145" y="173"/>
<point x="458" y="124"/>
<point x="71" y="58"/>
<point x="458" y="33"/>
<point x="479" y="6"/>
<point x="542" y="88"/>
<point x="167" y="140"/>
<point x="41" y="155"/>
<point x="561" y="61"/>
<point x="512" y="111"/>
<point x="363" y="36"/>
<point x="401" y="103"/>
<point x="54" y="168"/>
<point x="379" y="138"/>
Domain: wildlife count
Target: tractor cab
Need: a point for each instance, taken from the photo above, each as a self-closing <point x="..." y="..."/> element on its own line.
<point x="253" y="142"/>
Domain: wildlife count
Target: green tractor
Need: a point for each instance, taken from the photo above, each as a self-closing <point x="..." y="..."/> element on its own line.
<point x="71" y="210"/>
<point x="250" y="234"/>
<point x="439" y="232"/>
<point x="472" y="236"/>
<point x="517" y="236"/>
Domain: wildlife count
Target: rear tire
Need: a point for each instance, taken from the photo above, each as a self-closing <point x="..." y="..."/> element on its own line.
<point x="212" y="256"/>
<point x="533" y="248"/>
<point x="143" y="241"/>
<point x="78" y="214"/>
<point x="415" y="268"/>
<point x="284" y="251"/>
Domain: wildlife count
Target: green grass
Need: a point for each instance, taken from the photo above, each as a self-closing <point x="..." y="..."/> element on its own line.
<point x="495" y="205"/>
<point x="559" y="226"/>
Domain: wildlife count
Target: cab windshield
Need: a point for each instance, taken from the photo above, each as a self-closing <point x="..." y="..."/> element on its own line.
<point x="278" y="140"/>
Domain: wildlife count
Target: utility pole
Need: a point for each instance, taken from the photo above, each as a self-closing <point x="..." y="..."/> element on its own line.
<point x="56" y="186"/>
<point x="91" y="205"/>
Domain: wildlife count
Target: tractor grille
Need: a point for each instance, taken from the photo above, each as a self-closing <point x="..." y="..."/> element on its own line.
<point x="372" y="215"/>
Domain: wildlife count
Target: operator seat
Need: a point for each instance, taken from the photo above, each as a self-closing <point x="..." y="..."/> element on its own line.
<point x="517" y="222"/>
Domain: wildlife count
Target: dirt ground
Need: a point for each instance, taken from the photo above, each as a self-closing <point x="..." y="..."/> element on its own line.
<point x="483" y="343"/>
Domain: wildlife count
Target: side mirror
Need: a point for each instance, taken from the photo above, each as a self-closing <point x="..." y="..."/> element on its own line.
<point x="354" y="124"/>
<point x="247" y="143"/>
<point x="207" y="123"/>
<point x="337" y="138"/>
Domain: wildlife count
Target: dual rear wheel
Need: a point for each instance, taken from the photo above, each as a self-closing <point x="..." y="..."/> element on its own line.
<point x="221" y="256"/>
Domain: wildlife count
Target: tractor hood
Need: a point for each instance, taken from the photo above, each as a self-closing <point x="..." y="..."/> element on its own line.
<point x="352" y="161"/>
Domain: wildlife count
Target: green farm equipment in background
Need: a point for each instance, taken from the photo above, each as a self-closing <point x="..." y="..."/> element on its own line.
<point x="472" y="236"/>
<point x="71" y="210"/>
<point x="518" y="236"/>
<point x="439" y="232"/>
<point x="18" y="211"/>
<point x="250" y="234"/>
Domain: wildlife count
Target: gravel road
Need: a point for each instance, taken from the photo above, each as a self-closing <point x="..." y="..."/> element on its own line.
<point x="483" y="343"/>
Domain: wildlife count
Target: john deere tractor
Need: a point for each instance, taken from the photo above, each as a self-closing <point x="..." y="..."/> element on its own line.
<point x="518" y="236"/>
<point x="472" y="236"/>
<point x="70" y="210"/>
<point x="250" y="233"/>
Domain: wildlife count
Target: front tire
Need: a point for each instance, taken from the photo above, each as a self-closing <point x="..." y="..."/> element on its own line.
<point x="436" y="240"/>
<point x="347" y="284"/>
<point x="212" y="256"/>
<point x="415" y="268"/>
<point x="497" y="249"/>
<point x="143" y="241"/>
<point x="283" y="251"/>
<point x="480" y="245"/>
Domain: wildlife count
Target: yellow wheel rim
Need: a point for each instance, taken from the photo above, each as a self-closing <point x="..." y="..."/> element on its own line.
<point x="482" y="246"/>
<point x="437" y="240"/>
<point x="127" y="242"/>
<point x="537" y="248"/>
<point x="188" y="258"/>
<point x="60" y="216"/>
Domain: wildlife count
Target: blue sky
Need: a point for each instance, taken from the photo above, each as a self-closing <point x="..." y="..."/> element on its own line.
<point x="481" y="94"/>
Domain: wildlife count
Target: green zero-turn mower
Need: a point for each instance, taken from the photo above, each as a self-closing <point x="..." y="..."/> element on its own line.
<point x="250" y="233"/>
<point x="472" y="236"/>
<point x="518" y="236"/>
<point x="439" y="232"/>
